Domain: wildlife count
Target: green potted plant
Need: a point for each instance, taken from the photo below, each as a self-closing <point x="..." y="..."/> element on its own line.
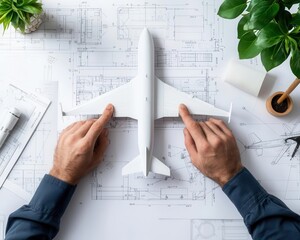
<point x="270" y="28"/>
<point x="23" y="15"/>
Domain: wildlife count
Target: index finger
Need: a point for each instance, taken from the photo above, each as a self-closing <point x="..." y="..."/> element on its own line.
<point x="99" y="125"/>
<point x="192" y="126"/>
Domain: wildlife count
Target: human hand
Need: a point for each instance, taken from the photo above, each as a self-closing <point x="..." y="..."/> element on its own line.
<point x="81" y="148"/>
<point x="212" y="147"/>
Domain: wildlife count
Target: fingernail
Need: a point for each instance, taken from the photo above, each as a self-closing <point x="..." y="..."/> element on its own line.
<point x="109" y="107"/>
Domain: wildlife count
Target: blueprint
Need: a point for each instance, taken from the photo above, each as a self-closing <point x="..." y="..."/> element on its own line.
<point x="181" y="61"/>
<point x="36" y="159"/>
<point x="86" y="48"/>
<point x="32" y="110"/>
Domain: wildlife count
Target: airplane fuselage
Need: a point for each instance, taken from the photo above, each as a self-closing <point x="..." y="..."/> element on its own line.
<point x="145" y="98"/>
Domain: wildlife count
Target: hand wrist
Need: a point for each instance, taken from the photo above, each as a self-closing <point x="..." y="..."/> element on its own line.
<point x="54" y="172"/>
<point x="224" y="178"/>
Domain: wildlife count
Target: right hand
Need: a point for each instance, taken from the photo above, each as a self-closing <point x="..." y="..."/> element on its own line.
<point x="212" y="147"/>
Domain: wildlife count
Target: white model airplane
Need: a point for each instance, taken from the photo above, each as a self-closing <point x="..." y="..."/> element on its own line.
<point x="146" y="98"/>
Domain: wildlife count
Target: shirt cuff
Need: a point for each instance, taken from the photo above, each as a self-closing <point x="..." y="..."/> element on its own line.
<point x="52" y="197"/>
<point x="244" y="191"/>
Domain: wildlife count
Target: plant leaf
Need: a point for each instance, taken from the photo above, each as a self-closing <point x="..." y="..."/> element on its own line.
<point x="241" y="26"/>
<point x="254" y="2"/>
<point x="291" y="1"/>
<point x="15" y="21"/>
<point x="31" y="9"/>
<point x="270" y="35"/>
<point x="21" y="26"/>
<point x="295" y="62"/>
<point x="18" y="12"/>
<point x="296" y="19"/>
<point x="261" y="14"/>
<point x="247" y="46"/>
<point x="232" y="8"/>
<point x="284" y="19"/>
<point x="7" y="20"/>
<point x="274" y="56"/>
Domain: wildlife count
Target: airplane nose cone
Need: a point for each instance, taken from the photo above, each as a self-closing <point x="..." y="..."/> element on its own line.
<point x="146" y="41"/>
<point x="145" y="32"/>
<point x="145" y="52"/>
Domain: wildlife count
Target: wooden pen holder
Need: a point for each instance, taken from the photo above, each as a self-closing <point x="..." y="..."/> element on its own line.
<point x="282" y="109"/>
<point x="280" y="103"/>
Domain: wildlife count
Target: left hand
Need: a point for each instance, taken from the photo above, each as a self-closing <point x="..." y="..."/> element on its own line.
<point x="81" y="148"/>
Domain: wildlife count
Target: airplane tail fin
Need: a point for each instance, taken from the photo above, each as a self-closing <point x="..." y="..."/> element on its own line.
<point x="136" y="165"/>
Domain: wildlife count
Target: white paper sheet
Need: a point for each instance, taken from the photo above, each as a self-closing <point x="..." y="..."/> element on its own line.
<point x="32" y="108"/>
<point x="37" y="158"/>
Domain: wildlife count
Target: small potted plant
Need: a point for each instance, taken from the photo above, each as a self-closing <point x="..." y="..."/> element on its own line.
<point x="23" y="15"/>
<point x="269" y="28"/>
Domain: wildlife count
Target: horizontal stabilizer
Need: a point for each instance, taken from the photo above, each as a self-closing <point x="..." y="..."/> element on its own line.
<point x="133" y="167"/>
<point x="158" y="167"/>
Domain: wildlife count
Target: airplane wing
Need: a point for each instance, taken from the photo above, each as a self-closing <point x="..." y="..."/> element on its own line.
<point x="122" y="98"/>
<point x="168" y="100"/>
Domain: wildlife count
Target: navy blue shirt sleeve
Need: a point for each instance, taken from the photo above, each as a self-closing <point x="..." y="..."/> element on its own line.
<point x="265" y="216"/>
<point x="40" y="219"/>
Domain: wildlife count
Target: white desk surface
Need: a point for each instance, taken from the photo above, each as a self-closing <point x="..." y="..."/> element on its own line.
<point x="85" y="48"/>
